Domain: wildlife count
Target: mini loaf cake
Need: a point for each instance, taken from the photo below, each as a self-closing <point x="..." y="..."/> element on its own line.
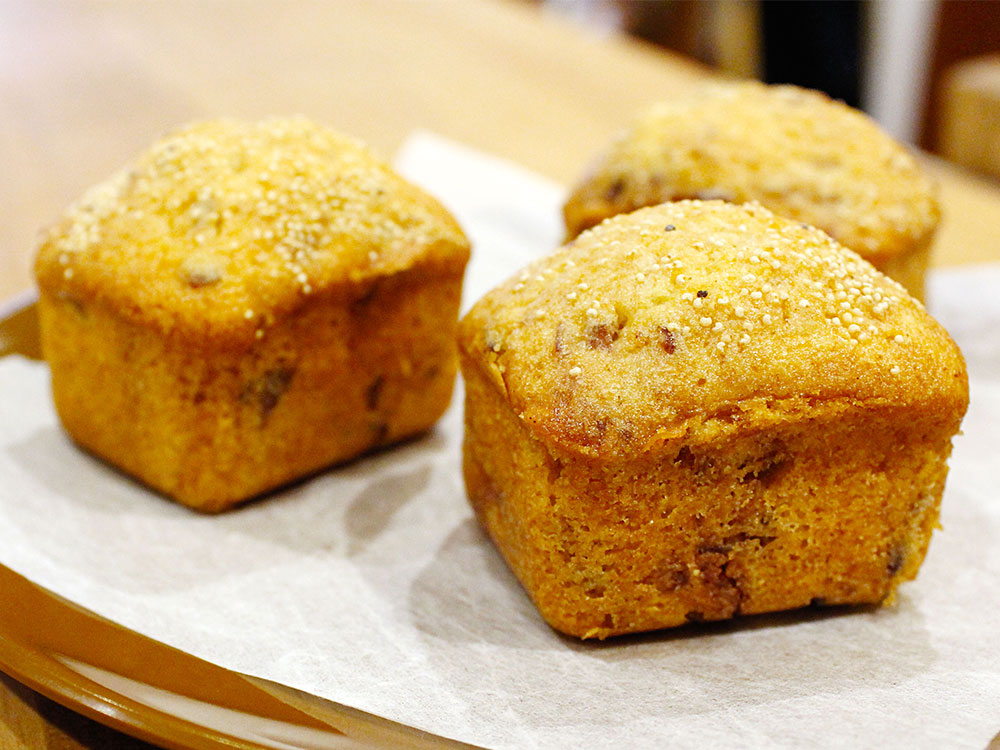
<point x="794" y="151"/>
<point x="701" y="410"/>
<point x="249" y="303"/>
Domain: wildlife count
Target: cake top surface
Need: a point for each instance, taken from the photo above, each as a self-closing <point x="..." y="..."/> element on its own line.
<point x="795" y="151"/>
<point x="682" y="320"/>
<point x="225" y="225"/>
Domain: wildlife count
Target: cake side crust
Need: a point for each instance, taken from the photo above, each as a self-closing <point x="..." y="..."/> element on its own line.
<point x="211" y="428"/>
<point x="837" y="508"/>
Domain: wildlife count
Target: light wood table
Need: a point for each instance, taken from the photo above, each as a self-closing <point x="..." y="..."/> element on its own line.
<point x="85" y="86"/>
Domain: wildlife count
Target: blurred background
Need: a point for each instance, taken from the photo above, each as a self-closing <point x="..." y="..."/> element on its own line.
<point x="87" y="84"/>
<point x="927" y="70"/>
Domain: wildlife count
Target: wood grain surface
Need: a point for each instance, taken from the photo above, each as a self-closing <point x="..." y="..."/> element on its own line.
<point x="84" y="86"/>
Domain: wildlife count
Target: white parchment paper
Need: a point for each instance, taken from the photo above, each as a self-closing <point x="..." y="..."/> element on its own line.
<point x="372" y="585"/>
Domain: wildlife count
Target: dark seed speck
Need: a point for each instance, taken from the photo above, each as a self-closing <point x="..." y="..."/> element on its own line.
<point x="667" y="341"/>
<point x="615" y="190"/>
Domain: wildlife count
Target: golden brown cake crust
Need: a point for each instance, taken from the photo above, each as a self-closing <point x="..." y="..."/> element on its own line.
<point x="701" y="410"/>
<point x="249" y="303"/>
<point x="223" y="228"/>
<point x="682" y="321"/>
<point x="795" y="151"/>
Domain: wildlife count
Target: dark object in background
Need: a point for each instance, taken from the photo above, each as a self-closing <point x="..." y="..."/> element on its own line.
<point x="681" y="25"/>
<point x="814" y="44"/>
<point x="965" y="29"/>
